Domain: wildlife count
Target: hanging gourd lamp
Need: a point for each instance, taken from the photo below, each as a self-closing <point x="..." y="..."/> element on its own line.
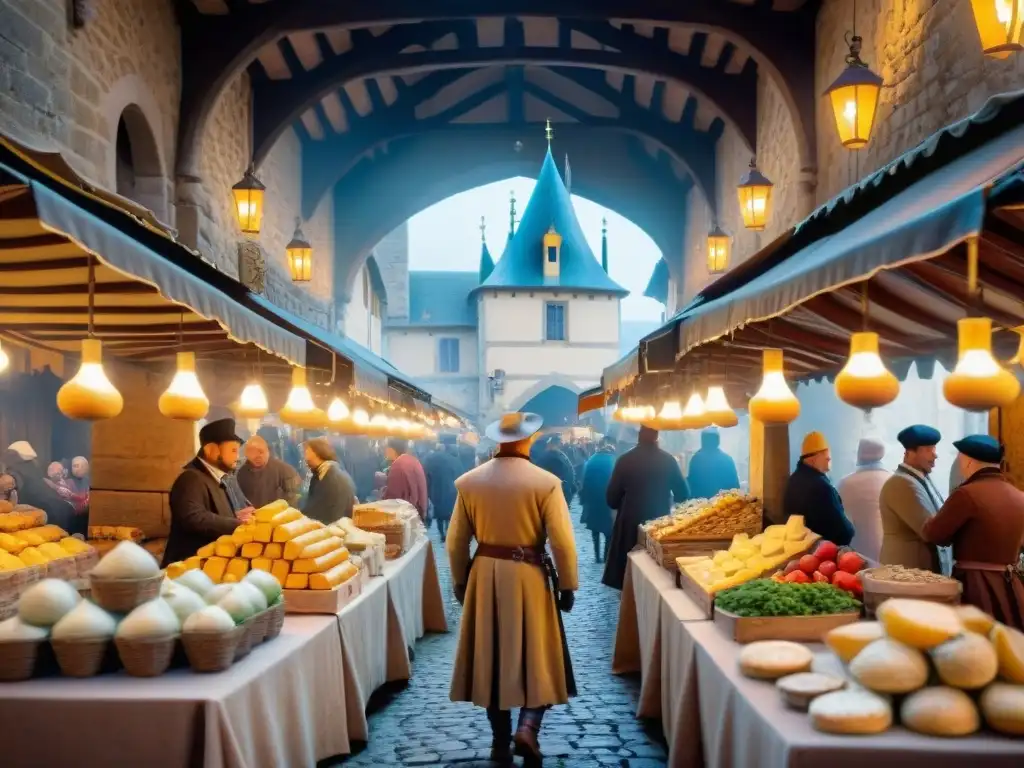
<point x="695" y="416"/>
<point x="755" y="194"/>
<point x="854" y="96"/>
<point x="379" y="426"/>
<point x="670" y="416"/>
<point x="4" y="359"/>
<point x="999" y="25"/>
<point x="360" y="421"/>
<point x="253" y="402"/>
<point x="865" y="382"/>
<point x="89" y="395"/>
<point x="248" y="194"/>
<point x="718" y="410"/>
<point x="300" y="255"/>
<point x="978" y="383"/>
<point x="184" y="398"/>
<point x="339" y="418"/>
<point x="774" y="402"/>
<point x="718" y="251"/>
<point x="299" y="410"/>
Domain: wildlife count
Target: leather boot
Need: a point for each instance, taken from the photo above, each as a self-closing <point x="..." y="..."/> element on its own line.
<point x="501" y="736"/>
<point x="527" y="746"/>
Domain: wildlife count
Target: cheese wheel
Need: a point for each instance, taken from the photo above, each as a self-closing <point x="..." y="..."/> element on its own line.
<point x="967" y="661"/>
<point x="772" y="659"/>
<point x="919" y="623"/>
<point x="975" y="619"/>
<point x="1009" y="645"/>
<point x="799" y="690"/>
<point x="1002" y="705"/>
<point x="850" y="712"/>
<point x="888" y="666"/>
<point x="940" y="711"/>
<point x="850" y="639"/>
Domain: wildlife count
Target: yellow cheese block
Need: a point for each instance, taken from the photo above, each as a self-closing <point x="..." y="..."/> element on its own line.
<point x="339" y="574"/>
<point x="274" y="550"/>
<point x="251" y="550"/>
<point x="243" y="534"/>
<point x="30" y="537"/>
<point x="53" y="551"/>
<point x="318" y="548"/>
<point x="9" y="562"/>
<point x="1009" y="644"/>
<point x="795" y="528"/>
<point x="295" y="528"/>
<point x="792" y="547"/>
<point x="264" y="533"/>
<point x="297" y="581"/>
<point x="721" y="556"/>
<point x="757" y="540"/>
<point x="743" y="550"/>
<point x="207" y="550"/>
<point x="293" y="549"/>
<point x="32" y="556"/>
<point x="757" y="564"/>
<point x="322" y="563"/>
<point x="290" y="515"/>
<point x="214" y="567"/>
<point x="918" y="623"/>
<point x="73" y="546"/>
<point x="731" y="566"/>
<point x="230" y="578"/>
<point x="771" y="547"/>
<point x="11" y="544"/>
<point x="174" y="570"/>
<point x="262" y="564"/>
<point x="775" y="532"/>
<point x="238" y="567"/>
<point x="194" y="563"/>
<point x="52" y="533"/>
<point x="280" y="570"/>
<point x="266" y="513"/>
<point x="850" y="639"/>
<point x="225" y="547"/>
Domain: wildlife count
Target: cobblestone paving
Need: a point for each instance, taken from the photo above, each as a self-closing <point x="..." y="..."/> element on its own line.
<point x="418" y="726"/>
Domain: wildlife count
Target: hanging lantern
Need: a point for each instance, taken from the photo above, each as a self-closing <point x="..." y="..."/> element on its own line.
<point x="718" y="410"/>
<point x="340" y="418"/>
<point x="379" y="426"/>
<point x="755" y="193"/>
<point x="299" y="410"/>
<point x="360" y="421"/>
<point x="718" y="251"/>
<point x="865" y="382"/>
<point x="253" y="402"/>
<point x="999" y="24"/>
<point x="978" y="383"/>
<point x="854" y="96"/>
<point x="695" y="416"/>
<point x="300" y="255"/>
<point x="4" y="360"/>
<point x="248" y="194"/>
<point x="670" y="416"/>
<point x="774" y="402"/>
<point x="90" y="396"/>
<point x="184" y="398"/>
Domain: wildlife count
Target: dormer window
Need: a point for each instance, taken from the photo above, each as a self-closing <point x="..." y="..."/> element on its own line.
<point x="552" y="252"/>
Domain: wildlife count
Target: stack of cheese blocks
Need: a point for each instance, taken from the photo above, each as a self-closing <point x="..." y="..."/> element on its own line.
<point x="299" y="552"/>
<point x="38" y="545"/>
<point x="748" y="557"/>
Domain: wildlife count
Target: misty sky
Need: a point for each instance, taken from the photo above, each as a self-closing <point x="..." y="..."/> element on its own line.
<point x="446" y="236"/>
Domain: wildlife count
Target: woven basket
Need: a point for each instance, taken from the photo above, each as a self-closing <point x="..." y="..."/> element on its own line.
<point x="18" y="659"/>
<point x="211" y="651"/>
<point x="85" y="562"/>
<point x="244" y="640"/>
<point x="80" y="658"/>
<point x="877" y="592"/>
<point x="63" y="568"/>
<point x="258" y="626"/>
<point x="275" y="619"/>
<point x="146" y="656"/>
<point x="124" y="595"/>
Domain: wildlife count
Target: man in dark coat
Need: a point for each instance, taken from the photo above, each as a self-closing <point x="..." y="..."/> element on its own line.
<point x="644" y="484"/>
<point x="265" y="478"/>
<point x="810" y="493"/>
<point x="206" y="501"/>
<point x="332" y="494"/>
<point x="597" y="515"/>
<point x="443" y="468"/>
<point x="552" y="458"/>
<point x="22" y="464"/>
<point x="711" y="469"/>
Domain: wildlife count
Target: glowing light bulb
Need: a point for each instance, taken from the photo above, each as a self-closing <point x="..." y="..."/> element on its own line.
<point x="774" y="402"/>
<point x="379" y="426"/>
<point x="4" y="360"/>
<point x="865" y="382"/>
<point x="299" y="410"/>
<point x="718" y="410"/>
<point x="850" y="112"/>
<point x="253" y="402"/>
<point x="1004" y="12"/>
<point x="337" y="411"/>
<point x="670" y="416"/>
<point x="89" y="395"/>
<point x="694" y="415"/>
<point x="978" y="383"/>
<point x="184" y="398"/>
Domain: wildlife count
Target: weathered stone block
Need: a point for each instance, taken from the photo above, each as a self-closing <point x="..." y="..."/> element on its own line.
<point x="149" y="511"/>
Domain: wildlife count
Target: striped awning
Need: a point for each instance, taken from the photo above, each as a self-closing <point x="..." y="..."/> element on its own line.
<point x="590" y="400"/>
<point x="621" y="373"/>
<point x="54" y="255"/>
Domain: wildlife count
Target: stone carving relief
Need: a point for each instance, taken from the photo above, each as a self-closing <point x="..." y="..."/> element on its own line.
<point x="252" y="266"/>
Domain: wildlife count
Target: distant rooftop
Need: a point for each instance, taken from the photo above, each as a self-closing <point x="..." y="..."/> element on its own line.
<point x="440" y="299"/>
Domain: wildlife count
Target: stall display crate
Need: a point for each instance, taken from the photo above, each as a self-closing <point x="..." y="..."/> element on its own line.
<point x="325" y="601"/>
<point x="665" y="552"/>
<point x="802" y="629"/>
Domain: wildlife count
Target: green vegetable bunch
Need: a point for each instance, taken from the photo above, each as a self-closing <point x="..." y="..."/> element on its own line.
<point x="765" y="597"/>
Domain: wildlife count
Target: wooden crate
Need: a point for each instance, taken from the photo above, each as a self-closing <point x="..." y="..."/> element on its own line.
<point x="804" y="629"/>
<point x="665" y="552"/>
<point x="701" y="598"/>
<point x="322" y="600"/>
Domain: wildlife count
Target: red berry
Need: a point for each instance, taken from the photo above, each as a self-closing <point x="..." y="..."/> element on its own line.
<point x="851" y="562"/>
<point x="826" y="550"/>
<point x="819" y="577"/>
<point x="828" y="568"/>
<point x="798" y="577"/>
<point x="791" y="566"/>
<point x="809" y="564"/>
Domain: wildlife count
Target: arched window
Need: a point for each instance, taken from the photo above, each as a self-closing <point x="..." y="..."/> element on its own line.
<point x="138" y="170"/>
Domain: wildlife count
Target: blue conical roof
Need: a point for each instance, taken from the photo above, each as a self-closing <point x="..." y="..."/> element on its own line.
<point x="522" y="264"/>
<point x="486" y="262"/>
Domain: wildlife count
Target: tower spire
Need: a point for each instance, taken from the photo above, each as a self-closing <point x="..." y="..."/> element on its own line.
<point x="511" y="214"/>
<point x="548" y="132"/>
<point x="486" y="262"/>
<point x="604" y="244"/>
<point x="483" y="229"/>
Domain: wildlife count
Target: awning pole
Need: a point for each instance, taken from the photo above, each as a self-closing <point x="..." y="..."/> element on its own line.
<point x="972" y="277"/>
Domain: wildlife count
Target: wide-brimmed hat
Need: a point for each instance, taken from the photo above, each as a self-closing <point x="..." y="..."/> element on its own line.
<point x="513" y="427"/>
<point x="219" y="431"/>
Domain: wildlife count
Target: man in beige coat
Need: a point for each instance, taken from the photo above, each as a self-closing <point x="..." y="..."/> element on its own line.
<point x="908" y="500"/>
<point x="512" y="650"/>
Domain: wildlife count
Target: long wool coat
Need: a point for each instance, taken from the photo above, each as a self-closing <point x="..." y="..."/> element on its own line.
<point x="509" y="502"/>
<point x="906" y="503"/>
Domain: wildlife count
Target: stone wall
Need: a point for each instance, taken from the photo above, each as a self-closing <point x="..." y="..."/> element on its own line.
<point x="392" y="257"/>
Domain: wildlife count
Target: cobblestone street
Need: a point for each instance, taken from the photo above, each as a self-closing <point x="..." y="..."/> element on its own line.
<point x="419" y="726"/>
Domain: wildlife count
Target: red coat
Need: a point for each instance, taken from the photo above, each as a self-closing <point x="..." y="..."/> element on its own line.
<point x="406" y="480"/>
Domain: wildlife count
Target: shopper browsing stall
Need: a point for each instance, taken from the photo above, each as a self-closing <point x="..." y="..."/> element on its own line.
<point x="811" y="494"/>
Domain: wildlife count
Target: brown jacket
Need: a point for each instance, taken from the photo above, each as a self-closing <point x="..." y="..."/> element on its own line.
<point x="509" y="606"/>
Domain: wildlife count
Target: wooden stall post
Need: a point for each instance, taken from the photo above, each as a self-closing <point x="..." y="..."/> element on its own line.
<point x="1007" y="426"/>
<point x="769" y="466"/>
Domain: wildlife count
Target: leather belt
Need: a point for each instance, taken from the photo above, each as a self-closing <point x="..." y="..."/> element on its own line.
<point x="968" y="565"/>
<point x="531" y="555"/>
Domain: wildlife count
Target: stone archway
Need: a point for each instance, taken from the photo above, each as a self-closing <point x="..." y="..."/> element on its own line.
<point x="556" y="404"/>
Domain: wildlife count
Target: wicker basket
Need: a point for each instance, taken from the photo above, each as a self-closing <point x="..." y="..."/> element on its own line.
<point x="123" y="595"/>
<point x="146" y="656"/>
<point x="63" y="568"/>
<point x="877" y="591"/>
<point x="244" y="640"/>
<point x="211" y="651"/>
<point x="85" y="562"/>
<point x="80" y="658"/>
<point x="18" y="659"/>
<point x="275" y="619"/>
<point x="258" y="623"/>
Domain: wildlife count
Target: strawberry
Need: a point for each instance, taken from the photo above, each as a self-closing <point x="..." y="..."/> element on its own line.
<point x="798" y="577"/>
<point x="846" y="581"/>
<point x="826" y="550"/>
<point x="851" y="562"/>
<point x="809" y="564"/>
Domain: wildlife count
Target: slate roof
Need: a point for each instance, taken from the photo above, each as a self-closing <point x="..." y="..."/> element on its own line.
<point x="486" y="262"/>
<point x="521" y="266"/>
<point x="441" y="299"/>
<point x="657" y="286"/>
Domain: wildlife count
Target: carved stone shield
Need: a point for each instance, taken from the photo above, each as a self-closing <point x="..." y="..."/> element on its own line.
<point x="252" y="266"/>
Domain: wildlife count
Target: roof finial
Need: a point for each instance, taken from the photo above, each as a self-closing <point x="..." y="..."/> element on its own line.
<point x="483" y="230"/>
<point x="511" y="214"/>
<point x="550" y="134"/>
<point x="604" y="243"/>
